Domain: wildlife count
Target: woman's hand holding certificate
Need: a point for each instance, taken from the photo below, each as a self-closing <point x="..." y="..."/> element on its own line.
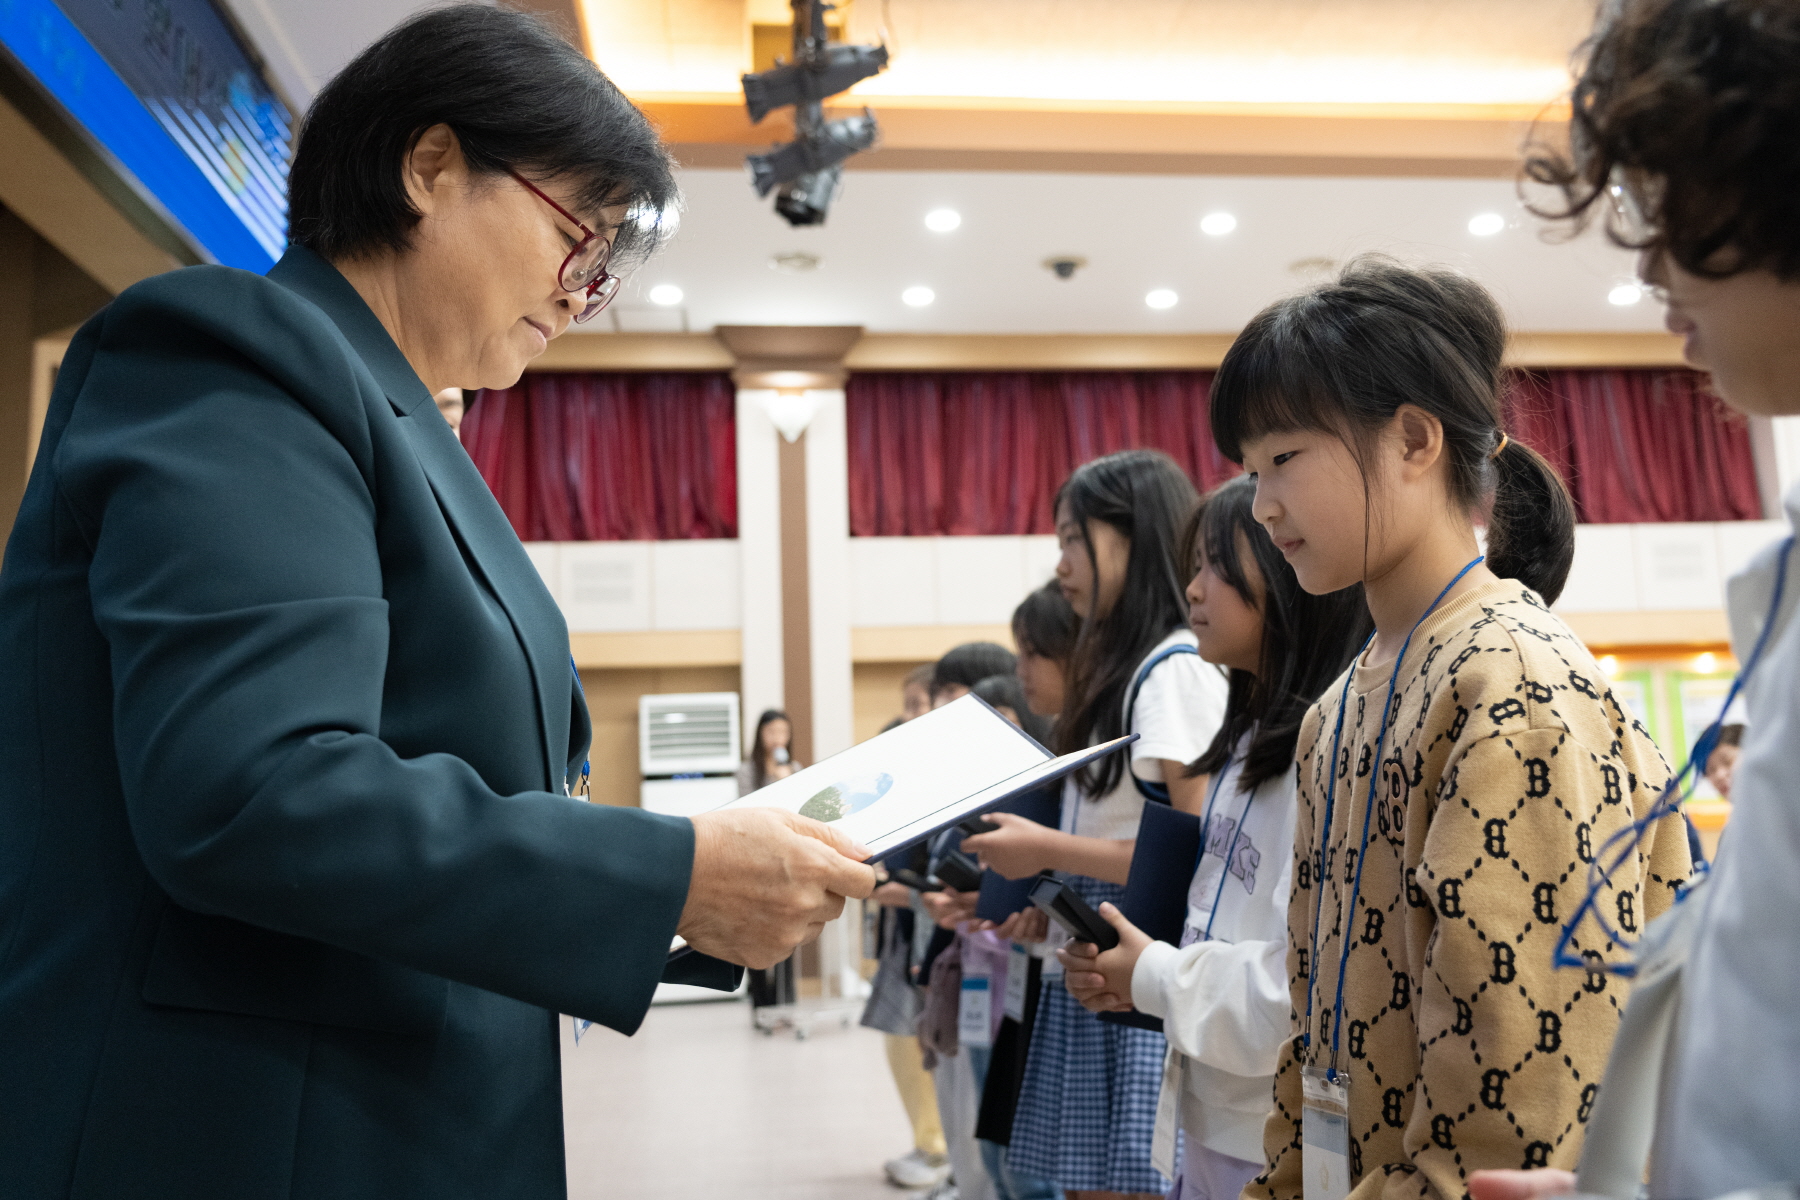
<point x="765" y="881"/>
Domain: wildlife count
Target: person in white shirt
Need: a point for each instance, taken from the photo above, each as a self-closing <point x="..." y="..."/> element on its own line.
<point x="1686" y="124"/>
<point x="1086" y="1110"/>
<point x="1223" y="994"/>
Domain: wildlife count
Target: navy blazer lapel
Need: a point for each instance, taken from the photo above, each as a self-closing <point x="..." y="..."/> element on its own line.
<point x="468" y="506"/>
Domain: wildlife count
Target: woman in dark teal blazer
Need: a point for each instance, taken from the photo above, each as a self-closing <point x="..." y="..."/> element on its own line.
<point x="291" y="885"/>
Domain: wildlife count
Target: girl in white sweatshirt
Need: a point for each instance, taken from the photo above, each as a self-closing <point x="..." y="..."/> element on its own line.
<point x="1223" y="993"/>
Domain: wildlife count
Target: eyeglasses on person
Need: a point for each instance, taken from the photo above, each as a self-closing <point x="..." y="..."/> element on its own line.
<point x="583" y="272"/>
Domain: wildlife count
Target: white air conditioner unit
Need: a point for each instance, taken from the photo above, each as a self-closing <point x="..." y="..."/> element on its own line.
<point x="688" y="751"/>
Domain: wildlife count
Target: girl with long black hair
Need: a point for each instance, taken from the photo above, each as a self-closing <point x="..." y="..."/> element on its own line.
<point x="770" y="756"/>
<point x="1087" y="1107"/>
<point x="1222" y="996"/>
<point x="1457" y="781"/>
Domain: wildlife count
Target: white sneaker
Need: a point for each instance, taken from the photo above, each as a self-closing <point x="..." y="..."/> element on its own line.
<point x="916" y="1170"/>
<point x="946" y="1190"/>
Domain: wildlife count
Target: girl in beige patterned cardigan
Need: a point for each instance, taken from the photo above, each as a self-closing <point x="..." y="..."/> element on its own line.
<point x="1458" y="780"/>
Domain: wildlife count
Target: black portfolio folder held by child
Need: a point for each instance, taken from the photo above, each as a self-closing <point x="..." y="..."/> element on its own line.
<point x="1002" y="897"/>
<point x="1156" y="891"/>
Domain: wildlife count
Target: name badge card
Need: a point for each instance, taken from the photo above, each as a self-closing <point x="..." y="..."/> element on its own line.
<point x="1018" y="971"/>
<point x="1325" y="1135"/>
<point x="974" y="1015"/>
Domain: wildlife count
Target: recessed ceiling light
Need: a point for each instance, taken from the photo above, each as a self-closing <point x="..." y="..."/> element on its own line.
<point x="1625" y="295"/>
<point x="942" y="220"/>
<point x="1217" y="224"/>
<point x="1161" y="298"/>
<point x="665" y="294"/>
<point x="918" y="297"/>
<point x="1486" y="224"/>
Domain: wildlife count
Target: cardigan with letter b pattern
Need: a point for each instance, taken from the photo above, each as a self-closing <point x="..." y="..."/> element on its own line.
<point x="1509" y="762"/>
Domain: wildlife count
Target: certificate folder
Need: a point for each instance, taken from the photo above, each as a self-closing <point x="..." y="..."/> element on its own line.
<point x="1156" y="892"/>
<point x="898" y="789"/>
<point x="1162" y="867"/>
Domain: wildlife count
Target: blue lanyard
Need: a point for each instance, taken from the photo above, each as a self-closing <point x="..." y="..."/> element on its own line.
<point x="1230" y="850"/>
<point x="1312" y="961"/>
<point x="582" y="787"/>
<point x="1674" y="794"/>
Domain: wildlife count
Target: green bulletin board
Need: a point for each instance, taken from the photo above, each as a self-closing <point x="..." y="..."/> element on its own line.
<point x="1675" y="705"/>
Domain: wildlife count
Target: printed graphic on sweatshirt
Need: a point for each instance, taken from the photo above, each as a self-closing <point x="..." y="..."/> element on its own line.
<point x="1245" y="858"/>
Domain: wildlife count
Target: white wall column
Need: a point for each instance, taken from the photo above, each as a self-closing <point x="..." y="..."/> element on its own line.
<point x="829" y="573"/>
<point x="759" y="543"/>
<point x="1776" y="444"/>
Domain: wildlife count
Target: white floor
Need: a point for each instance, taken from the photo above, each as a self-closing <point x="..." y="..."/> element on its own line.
<point x="700" y="1105"/>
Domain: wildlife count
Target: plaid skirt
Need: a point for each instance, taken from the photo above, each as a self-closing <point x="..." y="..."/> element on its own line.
<point x="1087" y="1108"/>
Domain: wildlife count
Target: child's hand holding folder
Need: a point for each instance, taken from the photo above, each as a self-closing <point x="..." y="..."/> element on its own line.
<point x="1017" y="848"/>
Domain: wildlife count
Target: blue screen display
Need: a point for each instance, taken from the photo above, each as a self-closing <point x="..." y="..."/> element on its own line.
<point x="164" y="88"/>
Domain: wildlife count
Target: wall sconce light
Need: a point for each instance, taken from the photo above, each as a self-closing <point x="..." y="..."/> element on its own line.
<point x="791" y="410"/>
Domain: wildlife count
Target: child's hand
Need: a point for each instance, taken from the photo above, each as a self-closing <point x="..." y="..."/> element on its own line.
<point x="1520" y="1185"/>
<point x="949" y="907"/>
<point x="1026" y="925"/>
<point x="1016" y="850"/>
<point x="893" y="895"/>
<point x="1101" y="982"/>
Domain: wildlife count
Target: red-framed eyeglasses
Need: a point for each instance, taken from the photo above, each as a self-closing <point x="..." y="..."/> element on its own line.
<point x="583" y="272"/>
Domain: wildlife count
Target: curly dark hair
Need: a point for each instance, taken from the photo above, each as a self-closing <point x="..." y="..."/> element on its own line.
<point x="1692" y="108"/>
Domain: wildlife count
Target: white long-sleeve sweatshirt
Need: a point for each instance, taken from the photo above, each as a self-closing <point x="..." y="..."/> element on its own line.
<point x="1223" y="994"/>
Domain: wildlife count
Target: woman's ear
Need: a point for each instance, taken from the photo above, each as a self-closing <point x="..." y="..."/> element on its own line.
<point x="434" y="160"/>
<point x="1420" y="438"/>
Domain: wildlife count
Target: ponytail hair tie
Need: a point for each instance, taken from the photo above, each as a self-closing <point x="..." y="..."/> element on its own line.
<point x="1498" y="450"/>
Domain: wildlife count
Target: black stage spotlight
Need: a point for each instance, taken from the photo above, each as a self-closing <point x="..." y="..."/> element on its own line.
<point x="807" y="199"/>
<point x="819" y="147"/>
<point x="807" y="169"/>
<point x="827" y="74"/>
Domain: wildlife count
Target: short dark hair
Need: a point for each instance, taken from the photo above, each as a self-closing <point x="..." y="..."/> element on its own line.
<point x="1006" y="691"/>
<point x="970" y="663"/>
<point x="1307" y="641"/>
<point x="1343" y="356"/>
<point x="1146" y="497"/>
<point x="518" y="97"/>
<point x="1697" y="103"/>
<point x="1045" y="626"/>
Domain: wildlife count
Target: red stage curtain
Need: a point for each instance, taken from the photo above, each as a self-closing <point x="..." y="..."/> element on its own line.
<point x="591" y="457"/>
<point x="984" y="452"/>
<point x="1638" y="446"/>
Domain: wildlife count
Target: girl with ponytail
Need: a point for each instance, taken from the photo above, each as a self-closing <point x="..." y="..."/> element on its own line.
<point x="1457" y="780"/>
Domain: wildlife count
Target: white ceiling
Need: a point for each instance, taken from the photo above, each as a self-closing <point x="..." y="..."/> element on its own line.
<point x="306" y="42"/>
<point x="1231" y="51"/>
<point x="1137" y="233"/>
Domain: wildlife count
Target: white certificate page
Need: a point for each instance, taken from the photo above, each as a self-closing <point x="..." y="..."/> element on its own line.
<point x="904" y="778"/>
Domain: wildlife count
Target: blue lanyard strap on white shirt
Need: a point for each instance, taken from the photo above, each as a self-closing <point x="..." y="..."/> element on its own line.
<point x="1674" y="794"/>
<point x="1150" y="789"/>
<point x="1312" y="959"/>
<point x="1230" y="850"/>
